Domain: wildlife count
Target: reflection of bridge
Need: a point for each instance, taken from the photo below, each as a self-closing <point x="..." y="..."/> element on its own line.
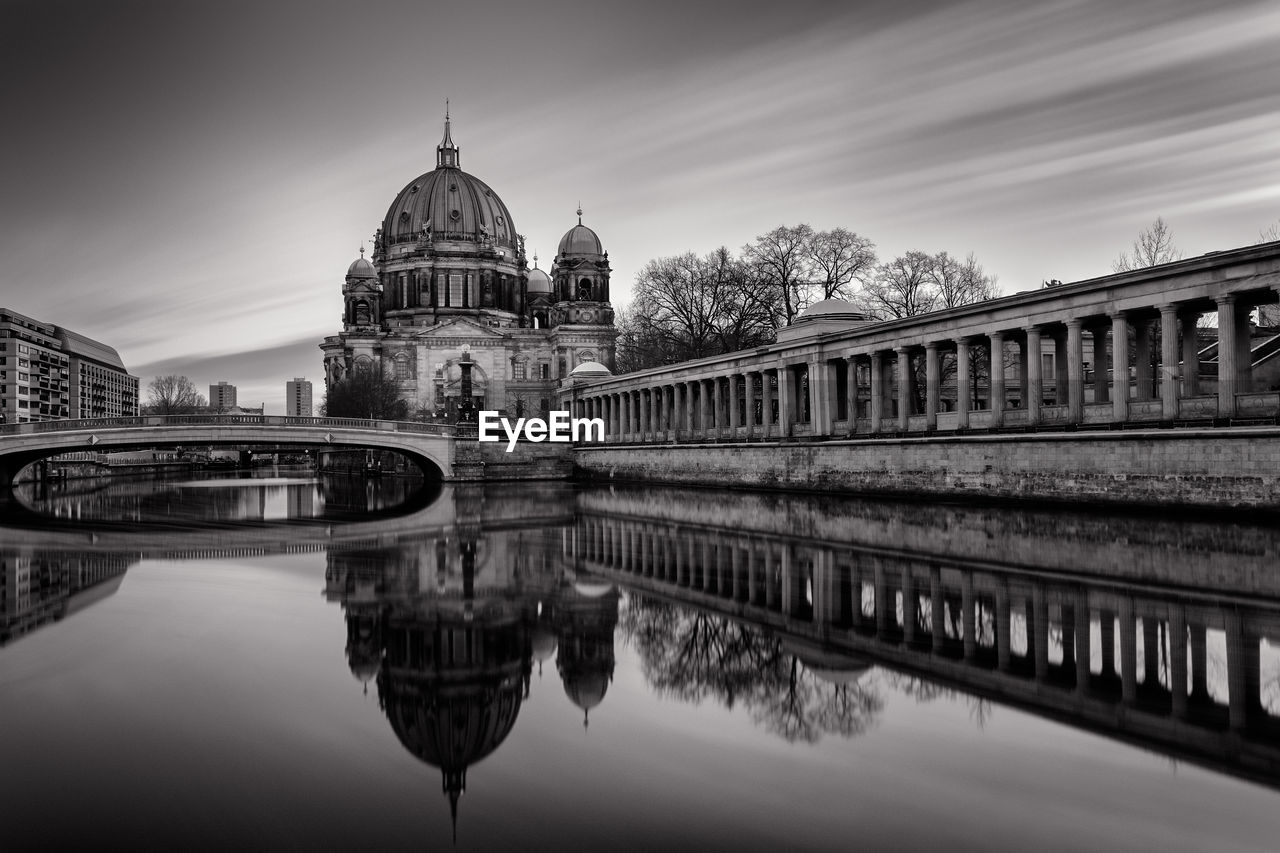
<point x="430" y="446"/>
<point x="1177" y="671"/>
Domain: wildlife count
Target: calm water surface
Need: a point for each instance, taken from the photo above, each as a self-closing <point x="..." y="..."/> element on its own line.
<point x="290" y="662"/>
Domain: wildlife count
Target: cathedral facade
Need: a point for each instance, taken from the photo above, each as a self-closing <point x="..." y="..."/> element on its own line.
<point x="448" y="291"/>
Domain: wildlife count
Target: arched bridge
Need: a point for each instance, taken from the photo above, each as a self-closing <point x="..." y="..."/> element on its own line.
<point x="429" y="446"/>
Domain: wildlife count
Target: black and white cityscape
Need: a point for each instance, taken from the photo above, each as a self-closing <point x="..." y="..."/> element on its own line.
<point x="576" y="426"/>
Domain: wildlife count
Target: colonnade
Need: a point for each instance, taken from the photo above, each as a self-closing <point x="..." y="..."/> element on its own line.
<point x="1074" y="355"/>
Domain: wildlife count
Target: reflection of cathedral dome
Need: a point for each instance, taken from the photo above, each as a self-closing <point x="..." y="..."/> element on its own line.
<point x="539" y="282"/>
<point x="451" y="728"/>
<point x="580" y="240"/>
<point x="586" y="689"/>
<point x="544" y="644"/>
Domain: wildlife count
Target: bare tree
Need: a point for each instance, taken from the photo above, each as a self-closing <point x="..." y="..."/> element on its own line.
<point x="782" y="261"/>
<point x="173" y="395"/>
<point x="1153" y="246"/>
<point x="1270" y="233"/>
<point x="365" y="394"/>
<point x="902" y="287"/>
<point x="838" y="258"/>
<point x="961" y="282"/>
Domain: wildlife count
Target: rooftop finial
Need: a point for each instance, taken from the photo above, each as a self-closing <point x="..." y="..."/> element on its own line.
<point x="579" y="212"/>
<point x="447" y="151"/>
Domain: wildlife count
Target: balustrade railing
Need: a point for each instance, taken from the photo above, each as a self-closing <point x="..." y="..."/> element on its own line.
<point x="285" y="421"/>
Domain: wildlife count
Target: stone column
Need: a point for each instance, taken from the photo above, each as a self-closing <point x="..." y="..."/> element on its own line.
<point x="1242" y="662"/>
<point x="964" y="390"/>
<point x="1075" y="371"/>
<point x="1228" y="369"/>
<point x="1178" y="660"/>
<point x="997" y="378"/>
<point x="717" y="406"/>
<point x="1168" y="363"/>
<point x="1142" y="360"/>
<point x="937" y="609"/>
<point x="688" y="408"/>
<point x="933" y="385"/>
<point x="1035" y="380"/>
<point x="786" y="400"/>
<point x="749" y="395"/>
<point x="642" y="408"/>
<point x="822" y="397"/>
<point x="1061" y="379"/>
<point x="1119" y="366"/>
<point x="904" y="387"/>
<point x="704" y="408"/>
<point x="766" y="406"/>
<point x="1101" y="389"/>
<point x="673" y="410"/>
<point x="735" y="417"/>
<point x="877" y="391"/>
<point x="1190" y="354"/>
<point x="851" y="392"/>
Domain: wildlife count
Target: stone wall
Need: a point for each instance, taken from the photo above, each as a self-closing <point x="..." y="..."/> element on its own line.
<point x="1237" y="467"/>
<point x="475" y="461"/>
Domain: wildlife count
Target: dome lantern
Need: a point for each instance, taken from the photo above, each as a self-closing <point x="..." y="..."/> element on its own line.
<point x="447" y="152"/>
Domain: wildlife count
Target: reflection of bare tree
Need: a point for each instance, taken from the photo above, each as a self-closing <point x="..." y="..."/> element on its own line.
<point x="980" y="710"/>
<point x="694" y="656"/>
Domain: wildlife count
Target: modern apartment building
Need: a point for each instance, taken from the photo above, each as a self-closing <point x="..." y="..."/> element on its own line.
<point x="222" y="396"/>
<point x="297" y="398"/>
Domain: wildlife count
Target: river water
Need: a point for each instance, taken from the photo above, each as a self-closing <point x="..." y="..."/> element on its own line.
<point x="287" y="662"/>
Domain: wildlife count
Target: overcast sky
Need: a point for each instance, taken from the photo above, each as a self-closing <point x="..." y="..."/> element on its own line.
<point x="189" y="181"/>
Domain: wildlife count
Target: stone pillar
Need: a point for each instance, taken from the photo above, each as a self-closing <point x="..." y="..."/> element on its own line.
<point x="766" y="406"/>
<point x="688" y="408"/>
<point x="964" y="390"/>
<point x="937" y="609"/>
<point x="786" y="400"/>
<point x="997" y="379"/>
<point x="1119" y="367"/>
<point x="877" y="390"/>
<point x="735" y="414"/>
<point x="642" y="407"/>
<point x="704" y="408"/>
<point x="749" y="407"/>
<point x="1075" y="371"/>
<point x="1034" y="394"/>
<point x="1101" y="372"/>
<point x="1228" y="362"/>
<point x="904" y="388"/>
<point x="851" y="392"/>
<point x="1178" y="660"/>
<point x="933" y="385"/>
<point x="1061" y="378"/>
<point x="822" y="396"/>
<point x="1142" y="360"/>
<point x="1190" y="354"/>
<point x="1128" y="651"/>
<point x="1083" y="638"/>
<point x="1168" y="362"/>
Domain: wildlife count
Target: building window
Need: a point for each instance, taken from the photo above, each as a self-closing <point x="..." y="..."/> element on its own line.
<point x="518" y="371"/>
<point x="544" y="371"/>
<point x="402" y="367"/>
<point x="455" y="291"/>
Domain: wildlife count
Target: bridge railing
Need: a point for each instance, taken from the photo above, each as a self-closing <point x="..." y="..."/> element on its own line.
<point x="419" y="427"/>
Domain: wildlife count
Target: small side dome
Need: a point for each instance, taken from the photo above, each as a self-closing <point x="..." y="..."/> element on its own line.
<point x="580" y="240"/>
<point x="539" y="282"/>
<point x="828" y="307"/>
<point x="590" y="370"/>
<point x="361" y="268"/>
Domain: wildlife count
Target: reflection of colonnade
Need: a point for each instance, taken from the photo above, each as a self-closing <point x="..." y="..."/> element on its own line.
<point x="1118" y="349"/>
<point x="1179" y="671"/>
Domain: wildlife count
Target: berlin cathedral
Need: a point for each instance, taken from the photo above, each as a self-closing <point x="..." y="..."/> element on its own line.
<point x="449" y="286"/>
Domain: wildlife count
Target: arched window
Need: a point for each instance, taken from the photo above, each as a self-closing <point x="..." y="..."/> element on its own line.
<point x="584" y="288"/>
<point x="586" y="355"/>
<point x="404" y="367"/>
<point x="364" y="364"/>
<point x="362" y="313"/>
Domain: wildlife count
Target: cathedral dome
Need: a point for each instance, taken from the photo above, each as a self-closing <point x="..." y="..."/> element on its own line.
<point x="451" y="204"/>
<point x="539" y="282"/>
<point x="580" y="240"/>
<point x="361" y="268"/>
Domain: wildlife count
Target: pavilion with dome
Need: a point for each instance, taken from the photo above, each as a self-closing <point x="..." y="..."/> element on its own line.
<point x="449" y="283"/>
